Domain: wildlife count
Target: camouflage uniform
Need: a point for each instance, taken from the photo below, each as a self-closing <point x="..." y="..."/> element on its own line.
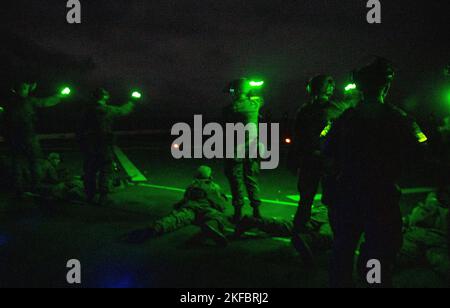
<point x="20" y="135"/>
<point x="203" y="204"/>
<point x="97" y="142"/>
<point x="426" y="236"/>
<point x="243" y="173"/>
<point x="56" y="183"/>
<point x="319" y="233"/>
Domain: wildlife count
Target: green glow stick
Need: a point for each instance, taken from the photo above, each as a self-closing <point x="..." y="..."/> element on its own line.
<point x="422" y="138"/>
<point x="256" y="84"/>
<point x="136" y="95"/>
<point x="66" y="91"/>
<point x="350" y="87"/>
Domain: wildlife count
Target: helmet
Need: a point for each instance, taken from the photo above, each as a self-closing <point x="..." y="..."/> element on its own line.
<point x="54" y="156"/>
<point x="101" y="93"/>
<point x="315" y="85"/>
<point x="245" y="86"/>
<point x="376" y="74"/>
<point x="236" y="86"/>
<point x="203" y="173"/>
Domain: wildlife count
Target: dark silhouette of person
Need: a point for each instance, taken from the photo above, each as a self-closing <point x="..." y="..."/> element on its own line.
<point x="19" y="120"/>
<point x="368" y="148"/>
<point x="97" y="142"/>
<point x="309" y="132"/>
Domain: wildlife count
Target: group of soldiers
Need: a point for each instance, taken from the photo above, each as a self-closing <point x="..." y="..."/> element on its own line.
<point x="27" y="168"/>
<point x="356" y="150"/>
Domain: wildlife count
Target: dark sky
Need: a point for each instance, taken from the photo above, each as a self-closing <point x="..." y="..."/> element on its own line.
<point x="182" y="52"/>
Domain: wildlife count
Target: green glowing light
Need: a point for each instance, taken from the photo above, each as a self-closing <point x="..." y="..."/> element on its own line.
<point x="136" y="95"/>
<point x="350" y="87"/>
<point x="256" y="84"/>
<point x="422" y="137"/>
<point x="326" y="130"/>
<point x="66" y="91"/>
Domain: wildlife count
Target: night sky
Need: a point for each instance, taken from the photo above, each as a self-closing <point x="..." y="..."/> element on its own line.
<point x="182" y="52"/>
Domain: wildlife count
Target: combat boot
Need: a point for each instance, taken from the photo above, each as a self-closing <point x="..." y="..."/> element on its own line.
<point x="246" y="224"/>
<point x="213" y="231"/>
<point x="237" y="217"/>
<point x="299" y="241"/>
<point x="257" y="212"/>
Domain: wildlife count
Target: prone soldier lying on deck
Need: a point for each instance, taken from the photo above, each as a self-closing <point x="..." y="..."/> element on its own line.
<point x="203" y="205"/>
<point x="55" y="182"/>
<point x="426" y="236"/>
<point x="316" y="238"/>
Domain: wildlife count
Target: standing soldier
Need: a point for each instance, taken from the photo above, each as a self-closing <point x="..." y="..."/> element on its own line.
<point x="368" y="147"/>
<point x="242" y="171"/>
<point x="313" y="121"/>
<point x="20" y="133"/>
<point x="97" y="142"/>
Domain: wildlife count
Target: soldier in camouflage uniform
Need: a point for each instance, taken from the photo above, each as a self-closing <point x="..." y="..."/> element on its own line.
<point x="203" y="205"/>
<point x="425" y="236"/>
<point x="243" y="171"/>
<point x="97" y="143"/>
<point x="318" y="236"/>
<point x="20" y="135"/>
<point x="55" y="181"/>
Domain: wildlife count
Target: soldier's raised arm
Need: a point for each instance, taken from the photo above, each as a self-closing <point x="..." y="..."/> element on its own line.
<point x="48" y="101"/>
<point x="121" y="111"/>
<point x="52" y="100"/>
